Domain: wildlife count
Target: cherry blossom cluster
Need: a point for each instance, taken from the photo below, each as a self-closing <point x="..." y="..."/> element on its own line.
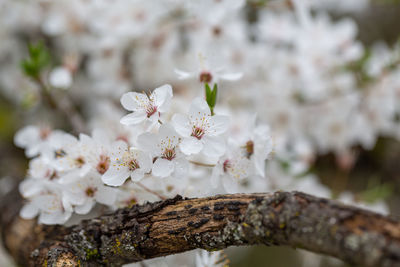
<point x="304" y="74"/>
<point x="68" y="174"/>
<point x="293" y="69"/>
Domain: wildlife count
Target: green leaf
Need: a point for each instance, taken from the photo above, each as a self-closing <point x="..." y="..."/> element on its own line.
<point x="37" y="60"/>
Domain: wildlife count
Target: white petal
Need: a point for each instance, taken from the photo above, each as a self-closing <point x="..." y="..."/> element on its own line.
<point x="147" y="142"/>
<point x="60" y="77"/>
<point x="162" y="97"/>
<point x="134" y="118"/>
<point x="85" y="208"/>
<point x="26" y="136"/>
<point x="162" y="168"/>
<point x="167" y="134"/>
<point x="145" y="161"/>
<point x="86" y="140"/>
<point x="218" y="125"/>
<point x="184" y="74"/>
<point x="29" y="211"/>
<point x="115" y="175"/>
<point x="181" y="124"/>
<point x="106" y="195"/>
<point x="181" y="168"/>
<point x="130" y="101"/>
<point x="118" y="149"/>
<point x="137" y="175"/>
<point x="30" y="187"/>
<point x="199" y="108"/>
<point x="70" y="177"/>
<point x="259" y="164"/>
<point x="191" y="145"/>
<point x="216" y="175"/>
<point x="231" y="76"/>
<point x="230" y="184"/>
<point x="54" y="218"/>
<point x="101" y="136"/>
<point x="214" y="146"/>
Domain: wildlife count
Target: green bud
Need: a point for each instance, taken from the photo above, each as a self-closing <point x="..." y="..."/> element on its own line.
<point x="211" y="96"/>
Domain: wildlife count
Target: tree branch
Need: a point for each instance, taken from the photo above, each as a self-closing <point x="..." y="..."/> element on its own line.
<point x="177" y="225"/>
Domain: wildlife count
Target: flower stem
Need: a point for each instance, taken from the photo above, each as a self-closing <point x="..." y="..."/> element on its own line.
<point x="151" y="191"/>
<point x="65" y="107"/>
<point x="202" y="164"/>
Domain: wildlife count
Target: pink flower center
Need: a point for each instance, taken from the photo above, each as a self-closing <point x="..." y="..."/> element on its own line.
<point x="44" y="133"/>
<point x="205" y="77"/>
<point x="104" y="163"/>
<point x="169" y="154"/>
<point x="90" y="191"/>
<point x="198" y="132"/>
<point x="226" y="165"/>
<point x="59" y="153"/>
<point x="249" y="148"/>
<point x="79" y="161"/>
<point x="133" y="165"/>
<point x="150" y="110"/>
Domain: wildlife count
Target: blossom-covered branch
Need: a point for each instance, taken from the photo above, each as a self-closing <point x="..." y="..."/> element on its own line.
<point x="177" y="225"/>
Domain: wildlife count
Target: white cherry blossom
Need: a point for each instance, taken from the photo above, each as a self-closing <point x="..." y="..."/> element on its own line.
<point x="73" y="163"/>
<point x="126" y="162"/>
<point x="85" y="192"/>
<point x="34" y="139"/>
<point x="207" y="72"/>
<point x="205" y="258"/>
<point x="60" y="77"/>
<point x="146" y="107"/>
<point x="201" y="132"/>
<point x="257" y="144"/>
<point x="164" y="148"/>
<point x="232" y="169"/>
<point x="47" y="203"/>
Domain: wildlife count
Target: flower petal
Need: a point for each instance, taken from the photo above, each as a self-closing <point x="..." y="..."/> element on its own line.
<point x="106" y="195"/>
<point x="29" y="211"/>
<point x="134" y="118"/>
<point x="214" y="146"/>
<point x="115" y="175"/>
<point x="162" y="167"/>
<point x="216" y="176"/>
<point x="26" y="136"/>
<point x="184" y="74"/>
<point x="191" y="145"/>
<point x="131" y="101"/>
<point x="231" y="76"/>
<point x="199" y="109"/>
<point x="181" y="168"/>
<point x="218" y="125"/>
<point x="147" y="142"/>
<point x="85" y="207"/>
<point x="182" y="125"/>
<point x="162" y="97"/>
<point x="230" y="184"/>
<point x="137" y="175"/>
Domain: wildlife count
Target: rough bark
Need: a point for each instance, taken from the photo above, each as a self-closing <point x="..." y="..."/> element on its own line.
<point x="176" y="225"/>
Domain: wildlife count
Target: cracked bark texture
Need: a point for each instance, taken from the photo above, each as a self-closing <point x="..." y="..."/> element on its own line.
<point x="176" y="225"/>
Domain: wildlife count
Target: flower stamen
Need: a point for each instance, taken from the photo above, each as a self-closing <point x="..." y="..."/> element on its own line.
<point x="133" y="165"/>
<point x="169" y="154"/>
<point x="198" y="132"/>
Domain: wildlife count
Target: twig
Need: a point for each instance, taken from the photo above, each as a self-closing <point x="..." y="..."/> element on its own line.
<point x="202" y="164"/>
<point x="151" y="191"/>
<point x="65" y="107"/>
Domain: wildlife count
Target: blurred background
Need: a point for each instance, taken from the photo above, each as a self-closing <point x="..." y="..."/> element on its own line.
<point x="325" y="76"/>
